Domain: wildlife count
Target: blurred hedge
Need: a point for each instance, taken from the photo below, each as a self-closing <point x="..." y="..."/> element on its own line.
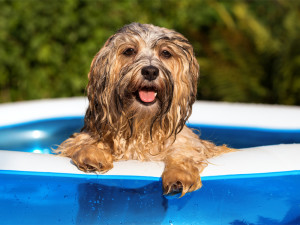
<point x="249" y="51"/>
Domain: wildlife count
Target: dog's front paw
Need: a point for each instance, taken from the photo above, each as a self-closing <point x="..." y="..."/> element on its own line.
<point x="90" y="159"/>
<point x="177" y="180"/>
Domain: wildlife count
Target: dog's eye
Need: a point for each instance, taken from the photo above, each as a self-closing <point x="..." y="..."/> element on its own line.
<point x="166" y="54"/>
<point x="129" y="52"/>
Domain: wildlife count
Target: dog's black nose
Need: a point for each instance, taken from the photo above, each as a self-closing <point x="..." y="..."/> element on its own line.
<point x="150" y="72"/>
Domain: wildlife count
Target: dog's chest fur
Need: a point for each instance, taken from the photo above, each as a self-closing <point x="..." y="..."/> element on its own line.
<point x="140" y="148"/>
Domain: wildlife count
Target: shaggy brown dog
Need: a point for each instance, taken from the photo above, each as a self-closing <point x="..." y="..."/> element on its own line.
<point x="142" y="85"/>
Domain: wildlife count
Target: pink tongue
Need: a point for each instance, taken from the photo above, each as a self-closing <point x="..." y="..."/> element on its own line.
<point x="147" y="96"/>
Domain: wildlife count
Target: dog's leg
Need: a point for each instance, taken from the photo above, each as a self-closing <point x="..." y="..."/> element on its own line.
<point x="185" y="160"/>
<point x="86" y="153"/>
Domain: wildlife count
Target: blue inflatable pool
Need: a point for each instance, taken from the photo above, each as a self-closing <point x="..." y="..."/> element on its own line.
<point x="257" y="185"/>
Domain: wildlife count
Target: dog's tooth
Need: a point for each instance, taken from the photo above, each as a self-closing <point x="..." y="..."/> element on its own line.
<point x="155" y="94"/>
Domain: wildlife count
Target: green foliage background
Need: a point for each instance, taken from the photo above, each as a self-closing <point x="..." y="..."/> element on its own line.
<point x="249" y="51"/>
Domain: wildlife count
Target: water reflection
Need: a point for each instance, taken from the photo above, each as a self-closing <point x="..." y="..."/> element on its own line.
<point x="100" y="204"/>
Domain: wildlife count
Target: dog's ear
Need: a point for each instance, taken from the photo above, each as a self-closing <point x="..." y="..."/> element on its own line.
<point x="194" y="75"/>
<point x="97" y="114"/>
<point x="186" y="90"/>
<point x="100" y="64"/>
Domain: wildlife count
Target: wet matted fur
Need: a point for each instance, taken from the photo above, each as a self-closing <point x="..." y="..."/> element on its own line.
<point x="142" y="85"/>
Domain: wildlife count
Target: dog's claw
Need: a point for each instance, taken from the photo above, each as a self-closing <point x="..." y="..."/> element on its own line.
<point x="176" y="181"/>
<point x="93" y="160"/>
<point x="177" y="187"/>
<point x="89" y="168"/>
<point x="173" y="189"/>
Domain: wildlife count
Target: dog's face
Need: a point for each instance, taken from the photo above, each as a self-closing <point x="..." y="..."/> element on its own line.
<point x="144" y="75"/>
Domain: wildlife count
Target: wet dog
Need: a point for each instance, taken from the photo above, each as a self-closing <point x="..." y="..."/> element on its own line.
<point x="142" y="85"/>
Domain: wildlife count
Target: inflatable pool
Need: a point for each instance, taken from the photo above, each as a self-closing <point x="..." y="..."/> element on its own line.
<point x="259" y="184"/>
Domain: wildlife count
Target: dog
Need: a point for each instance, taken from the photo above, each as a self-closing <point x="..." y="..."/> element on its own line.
<point x="142" y="85"/>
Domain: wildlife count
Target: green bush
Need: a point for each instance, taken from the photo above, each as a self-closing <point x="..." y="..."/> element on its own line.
<point x="248" y="50"/>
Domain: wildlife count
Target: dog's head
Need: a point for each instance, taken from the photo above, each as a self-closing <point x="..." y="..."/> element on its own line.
<point x="143" y="76"/>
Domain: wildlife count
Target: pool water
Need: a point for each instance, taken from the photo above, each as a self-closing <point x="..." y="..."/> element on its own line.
<point x="43" y="135"/>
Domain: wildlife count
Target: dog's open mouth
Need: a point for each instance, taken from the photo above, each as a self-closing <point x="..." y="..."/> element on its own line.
<point x="147" y="95"/>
